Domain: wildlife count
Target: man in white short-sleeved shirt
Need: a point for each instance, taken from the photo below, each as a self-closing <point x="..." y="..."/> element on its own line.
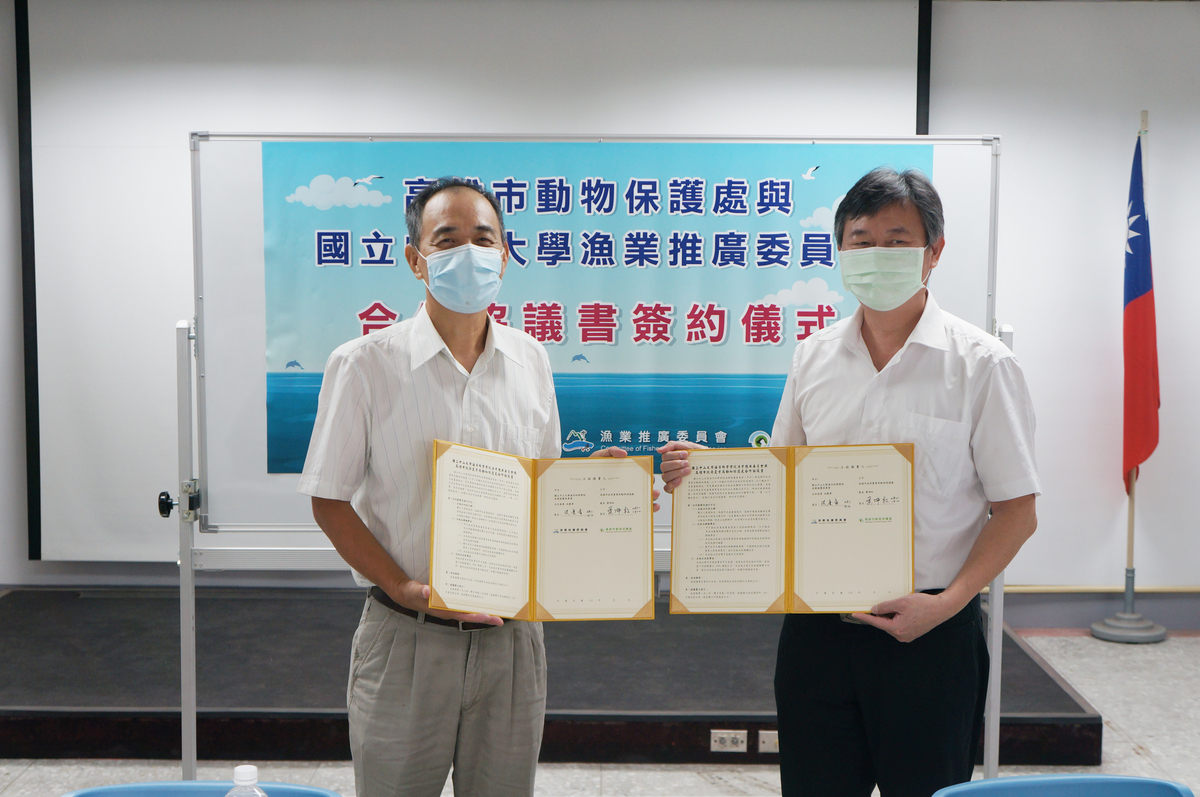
<point x="955" y="392"/>
<point x="895" y="698"/>
<point x="431" y="688"/>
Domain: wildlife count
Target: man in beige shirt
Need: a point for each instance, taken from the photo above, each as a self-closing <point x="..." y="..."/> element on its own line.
<point x="431" y="689"/>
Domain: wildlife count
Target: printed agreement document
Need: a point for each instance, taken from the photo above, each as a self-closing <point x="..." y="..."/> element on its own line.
<point x="541" y="539"/>
<point x="728" y="532"/>
<point x="800" y="529"/>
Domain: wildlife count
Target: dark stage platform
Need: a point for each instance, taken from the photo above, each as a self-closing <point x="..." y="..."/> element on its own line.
<point x="95" y="673"/>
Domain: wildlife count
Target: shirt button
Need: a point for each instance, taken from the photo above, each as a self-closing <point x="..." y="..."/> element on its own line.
<point x="470" y="428"/>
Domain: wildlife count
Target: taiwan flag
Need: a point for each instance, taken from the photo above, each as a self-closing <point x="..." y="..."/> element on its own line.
<point x="1141" y="348"/>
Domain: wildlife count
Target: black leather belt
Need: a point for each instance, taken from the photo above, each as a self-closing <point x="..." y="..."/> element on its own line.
<point x="421" y="617"/>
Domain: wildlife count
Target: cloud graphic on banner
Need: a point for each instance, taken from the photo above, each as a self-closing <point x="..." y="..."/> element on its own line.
<point x="324" y="193"/>
<point x="823" y="217"/>
<point x="804" y="294"/>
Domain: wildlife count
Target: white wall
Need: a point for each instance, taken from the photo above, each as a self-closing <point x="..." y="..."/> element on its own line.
<point x="14" y="565"/>
<point x="117" y="85"/>
<point x="1064" y="84"/>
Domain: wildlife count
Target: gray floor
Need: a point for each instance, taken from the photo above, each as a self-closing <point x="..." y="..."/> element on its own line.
<point x="1149" y="697"/>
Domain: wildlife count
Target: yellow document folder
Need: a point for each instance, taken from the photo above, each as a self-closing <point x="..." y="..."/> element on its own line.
<point x="793" y="529"/>
<point x="541" y="539"/>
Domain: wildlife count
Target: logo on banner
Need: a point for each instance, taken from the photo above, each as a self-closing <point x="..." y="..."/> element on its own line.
<point x="577" y="441"/>
<point x="760" y="439"/>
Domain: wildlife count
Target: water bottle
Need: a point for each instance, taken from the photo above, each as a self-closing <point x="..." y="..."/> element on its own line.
<point x="245" y="782"/>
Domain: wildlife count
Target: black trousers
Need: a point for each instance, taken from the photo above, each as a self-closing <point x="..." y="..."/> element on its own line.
<point x="859" y="708"/>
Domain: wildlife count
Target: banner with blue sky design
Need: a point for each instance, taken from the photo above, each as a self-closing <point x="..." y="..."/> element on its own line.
<point x="669" y="281"/>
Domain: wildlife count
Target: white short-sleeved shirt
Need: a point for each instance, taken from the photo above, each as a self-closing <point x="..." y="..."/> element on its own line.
<point x="387" y="396"/>
<point x="954" y="391"/>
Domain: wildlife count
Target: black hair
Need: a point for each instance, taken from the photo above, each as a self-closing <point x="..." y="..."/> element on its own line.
<point x="416" y="209"/>
<point x="884" y="186"/>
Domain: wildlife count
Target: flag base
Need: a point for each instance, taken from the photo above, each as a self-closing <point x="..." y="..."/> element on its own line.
<point x="1130" y="628"/>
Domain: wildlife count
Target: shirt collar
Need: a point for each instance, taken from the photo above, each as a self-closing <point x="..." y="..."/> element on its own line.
<point x="426" y="342"/>
<point x="930" y="329"/>
<point x="852" y="333"/>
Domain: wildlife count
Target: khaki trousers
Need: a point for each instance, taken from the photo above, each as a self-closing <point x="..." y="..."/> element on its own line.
<point x="422" y="697"/>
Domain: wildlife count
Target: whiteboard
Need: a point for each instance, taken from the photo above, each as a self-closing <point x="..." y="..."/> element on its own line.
<point x="260" y="514"/>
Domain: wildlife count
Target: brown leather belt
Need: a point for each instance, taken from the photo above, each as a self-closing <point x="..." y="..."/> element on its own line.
<point x="421" y="617"/>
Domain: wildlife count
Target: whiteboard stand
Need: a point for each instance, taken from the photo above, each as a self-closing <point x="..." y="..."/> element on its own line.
<point x="192" y="558"/>
<point x="230" y="203"/>
<point x="187" y="587"/>
<point x="995" y="626"/>
<point x="187" y="574"/>
<point x="995" y="641"/>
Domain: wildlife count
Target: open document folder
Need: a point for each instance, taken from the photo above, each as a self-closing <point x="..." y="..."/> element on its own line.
<point x="799" y="529"/>
<point x="541" y="539"/>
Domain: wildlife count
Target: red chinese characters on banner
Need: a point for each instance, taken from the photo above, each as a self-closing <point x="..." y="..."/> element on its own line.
<point x="762" y="324"/>
<point x="377" y="316"/>
<point x="652" y="323"/>
<point x="809" y="321"/>
<point x="706" y="324"/>
<point x="544" y="321"/>
<point x="598" y="322"/>
<point x="498" y="312"/>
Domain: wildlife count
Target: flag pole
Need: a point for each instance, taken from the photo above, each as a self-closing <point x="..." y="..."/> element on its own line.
<point x="1133" y="477"/>
<point x="1129" y="626"/>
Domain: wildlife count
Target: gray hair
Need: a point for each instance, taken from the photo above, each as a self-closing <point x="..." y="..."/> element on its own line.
<point x="416" y="209"/>
<point x="884" y="186"/>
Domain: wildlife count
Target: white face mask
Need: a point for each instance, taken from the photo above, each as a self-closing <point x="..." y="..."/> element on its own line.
<point x="464" y="279"/>
<point x="883" y="277"/>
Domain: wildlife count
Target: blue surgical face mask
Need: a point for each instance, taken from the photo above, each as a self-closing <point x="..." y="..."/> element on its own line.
<point x="464" y="279"/>
<point x="883" y="277"/>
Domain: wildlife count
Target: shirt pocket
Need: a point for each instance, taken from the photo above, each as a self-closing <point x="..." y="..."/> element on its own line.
<point x="941" y="449"/>
<point x="524" y="441"/>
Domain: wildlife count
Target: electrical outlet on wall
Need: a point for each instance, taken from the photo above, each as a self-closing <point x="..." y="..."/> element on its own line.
<point x="768" y="741"/>
<point x="728" y="741"/>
